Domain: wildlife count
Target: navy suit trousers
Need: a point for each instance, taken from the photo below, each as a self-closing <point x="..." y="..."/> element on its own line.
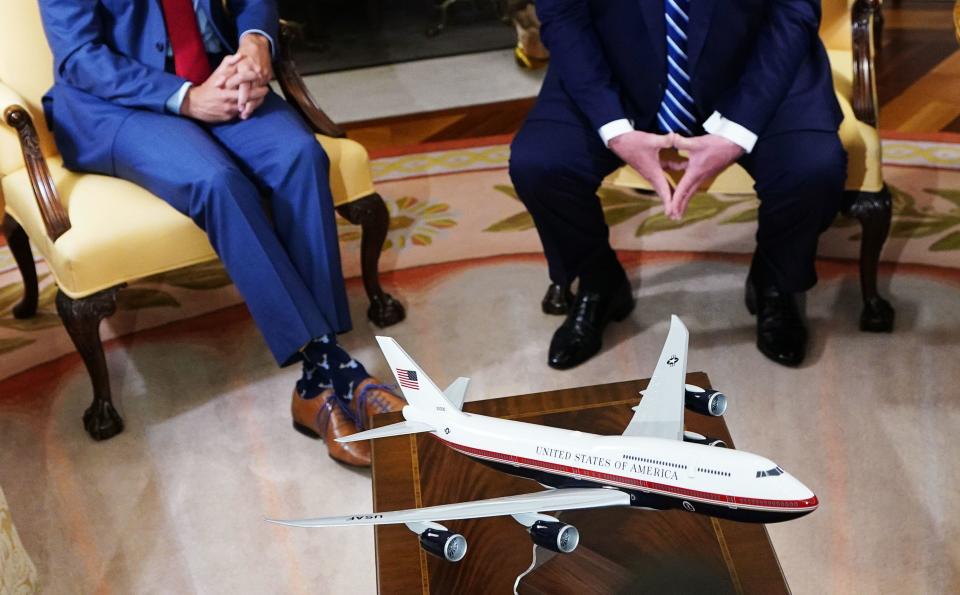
<point x="557" y="166"/>
<point x="221" y="176"/>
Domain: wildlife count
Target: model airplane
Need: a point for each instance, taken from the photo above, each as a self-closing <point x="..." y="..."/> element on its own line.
<point x="655" y="464"/>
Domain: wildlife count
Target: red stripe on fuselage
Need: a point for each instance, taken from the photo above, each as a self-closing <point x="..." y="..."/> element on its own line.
<point x="683" y="493"/>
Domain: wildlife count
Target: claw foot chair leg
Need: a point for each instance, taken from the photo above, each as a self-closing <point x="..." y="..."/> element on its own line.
<point x="874" y="211"/>
<point x="20" y="247"/>
<point x="371" y="214"/>
<point x="82" y="318"/>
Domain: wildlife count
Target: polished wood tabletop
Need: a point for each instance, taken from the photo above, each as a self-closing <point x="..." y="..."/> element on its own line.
<point x="621" y="550"/>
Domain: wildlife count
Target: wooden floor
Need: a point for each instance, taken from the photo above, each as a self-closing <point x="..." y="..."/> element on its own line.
<point x="918" y="81"/>
<point x="918" y="67"/>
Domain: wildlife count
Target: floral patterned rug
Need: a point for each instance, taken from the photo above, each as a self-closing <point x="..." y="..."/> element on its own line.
<point x="456" y="203"/>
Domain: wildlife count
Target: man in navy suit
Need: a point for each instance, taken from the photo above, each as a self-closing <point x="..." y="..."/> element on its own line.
<point x="724" y="80"/>
<point x="173" y="95"/>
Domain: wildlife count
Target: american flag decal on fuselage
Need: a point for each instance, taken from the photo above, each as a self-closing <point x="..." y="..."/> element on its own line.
<point x="408" y="379"/>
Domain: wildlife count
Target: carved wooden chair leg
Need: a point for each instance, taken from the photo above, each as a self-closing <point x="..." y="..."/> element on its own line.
<point x="557" y="300"/>
<point x="371" y="214"/>
<point x="874" y="211"/>
<point x="19" y="244"/>
<point x="82" y="318"/>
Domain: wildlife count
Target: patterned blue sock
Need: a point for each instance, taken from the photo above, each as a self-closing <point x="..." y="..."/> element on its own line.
<point x="327" y="365"/>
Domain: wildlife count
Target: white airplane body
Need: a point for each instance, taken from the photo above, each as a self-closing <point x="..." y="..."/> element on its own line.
<point x="654" y="465"/>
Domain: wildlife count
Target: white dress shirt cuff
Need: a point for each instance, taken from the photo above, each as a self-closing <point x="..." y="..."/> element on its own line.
<point x="176" y="100"/>
<point x="611" y="130"/>
<point x="273" y="47"/>
<point x="730" y="130"/>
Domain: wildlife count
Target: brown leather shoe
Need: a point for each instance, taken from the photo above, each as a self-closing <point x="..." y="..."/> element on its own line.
<point x="325" y="417"/>
<point x="371" y="398"/>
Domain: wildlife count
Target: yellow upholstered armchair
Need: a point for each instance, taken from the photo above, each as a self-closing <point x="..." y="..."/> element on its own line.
<point x="98" y="233"/>
<point x="866" y="198"/>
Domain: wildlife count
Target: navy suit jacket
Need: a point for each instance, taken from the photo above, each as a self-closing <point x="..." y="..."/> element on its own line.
<point x="760" y="63"/>
<point x="109" y="57"/>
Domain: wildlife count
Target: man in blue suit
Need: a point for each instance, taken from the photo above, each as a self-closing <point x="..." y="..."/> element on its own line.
<point x="173" y="95"/>
<point x="724" y="80"/>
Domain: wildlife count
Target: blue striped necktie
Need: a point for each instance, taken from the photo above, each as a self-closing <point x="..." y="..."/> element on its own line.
<point x="676" y="109"/>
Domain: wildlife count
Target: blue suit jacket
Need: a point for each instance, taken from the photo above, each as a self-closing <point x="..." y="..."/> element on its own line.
<point x="109" y="57"/>
<point x="760" y="63"/>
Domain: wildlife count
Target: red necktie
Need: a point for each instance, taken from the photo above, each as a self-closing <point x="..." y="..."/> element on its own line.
<point x="189" y="56"/>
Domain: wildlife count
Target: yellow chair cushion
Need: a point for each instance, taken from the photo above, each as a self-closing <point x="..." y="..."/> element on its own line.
<point x="350" y="176"/>
<point x="121" y="232"/>
<point x="861" y="141"/>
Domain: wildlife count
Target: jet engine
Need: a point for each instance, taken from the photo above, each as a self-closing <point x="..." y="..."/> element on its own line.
<point x="705" y="401"/>
<point x="444" y="544"/>
<point x="555" y="536"/>
<point x="701" y="439"/>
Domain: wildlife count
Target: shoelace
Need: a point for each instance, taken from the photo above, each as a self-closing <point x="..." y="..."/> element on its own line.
<point x="362" y="398"/>
<point x="324" y="420"/>
<point x="583" y="308"/>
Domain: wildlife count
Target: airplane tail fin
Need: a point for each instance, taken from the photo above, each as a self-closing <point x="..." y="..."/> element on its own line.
<point x="417" y="387"/>
<point x="457" y="391"/>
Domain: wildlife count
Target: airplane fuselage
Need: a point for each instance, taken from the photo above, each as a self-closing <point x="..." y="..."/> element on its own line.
<point x="656" y="473"/>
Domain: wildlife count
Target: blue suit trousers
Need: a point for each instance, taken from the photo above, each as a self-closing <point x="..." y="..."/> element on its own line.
<point x="557" y="167"/>
<point x="221" y="175"/>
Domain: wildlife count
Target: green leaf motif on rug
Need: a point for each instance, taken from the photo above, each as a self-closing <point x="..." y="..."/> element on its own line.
<point x="950" y="241"/>
<point x="205" y="276"/>
<point x="508" y="190"/>
<point x="38" y="322"/>
<point x="920" y="227"/>
<point x="140" y="298"/>
<point x="10" y="295"/>
<point x="46" y="317"/>
<point x="912" y="222"/>
<point x="13" y="343"/>
<point x="618" y="206"/>
<point x="703" y="206"/>
<point x="413" y="222"/>
<point x="951" y="195"/>
<point x="519" y="222"/>
<point x="749" y="216"/>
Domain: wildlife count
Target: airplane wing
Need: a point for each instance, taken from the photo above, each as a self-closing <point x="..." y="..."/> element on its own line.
<point x="660" y="412"/>
<point x="549" y="500"/>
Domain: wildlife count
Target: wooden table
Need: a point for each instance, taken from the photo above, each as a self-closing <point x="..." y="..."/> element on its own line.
<point x="621" y="550"/>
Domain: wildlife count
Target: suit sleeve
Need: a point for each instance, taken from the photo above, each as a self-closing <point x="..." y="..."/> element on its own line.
<point x="568" y="32"/>
<point x="84" y="61"/>
<point x="783" y="43"/>
<point x="256" y="15"/>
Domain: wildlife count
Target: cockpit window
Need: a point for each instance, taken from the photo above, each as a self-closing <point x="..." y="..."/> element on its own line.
<point x="771" y="472"/>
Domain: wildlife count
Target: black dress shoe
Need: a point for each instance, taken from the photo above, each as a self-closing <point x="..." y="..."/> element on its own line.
<point x="781" y="332"/>
<point x="557" y="300"/>
<point x="581" y="335"/>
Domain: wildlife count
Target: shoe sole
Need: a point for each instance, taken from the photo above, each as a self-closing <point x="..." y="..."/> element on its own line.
<point x="750" y="299"/>
<point x="624" y="312"/>
<point x="308" y="432"/>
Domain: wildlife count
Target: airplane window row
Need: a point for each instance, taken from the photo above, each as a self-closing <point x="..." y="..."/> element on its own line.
<point x="654" y="462"/>
<point x="771" y="472"/>
<point x="714" y="472"/>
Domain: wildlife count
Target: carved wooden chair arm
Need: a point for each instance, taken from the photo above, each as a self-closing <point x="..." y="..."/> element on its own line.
<point x="54" y="215"/>
<point x="865" y="14"/>
<point x="295" y="90"/>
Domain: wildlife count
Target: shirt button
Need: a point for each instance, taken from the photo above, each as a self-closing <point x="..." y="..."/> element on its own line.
<point x="159" y="46"/>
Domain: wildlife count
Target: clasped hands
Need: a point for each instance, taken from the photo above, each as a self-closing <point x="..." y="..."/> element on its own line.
<point x="236" y="88"/>
<point x="707" y="156"/>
